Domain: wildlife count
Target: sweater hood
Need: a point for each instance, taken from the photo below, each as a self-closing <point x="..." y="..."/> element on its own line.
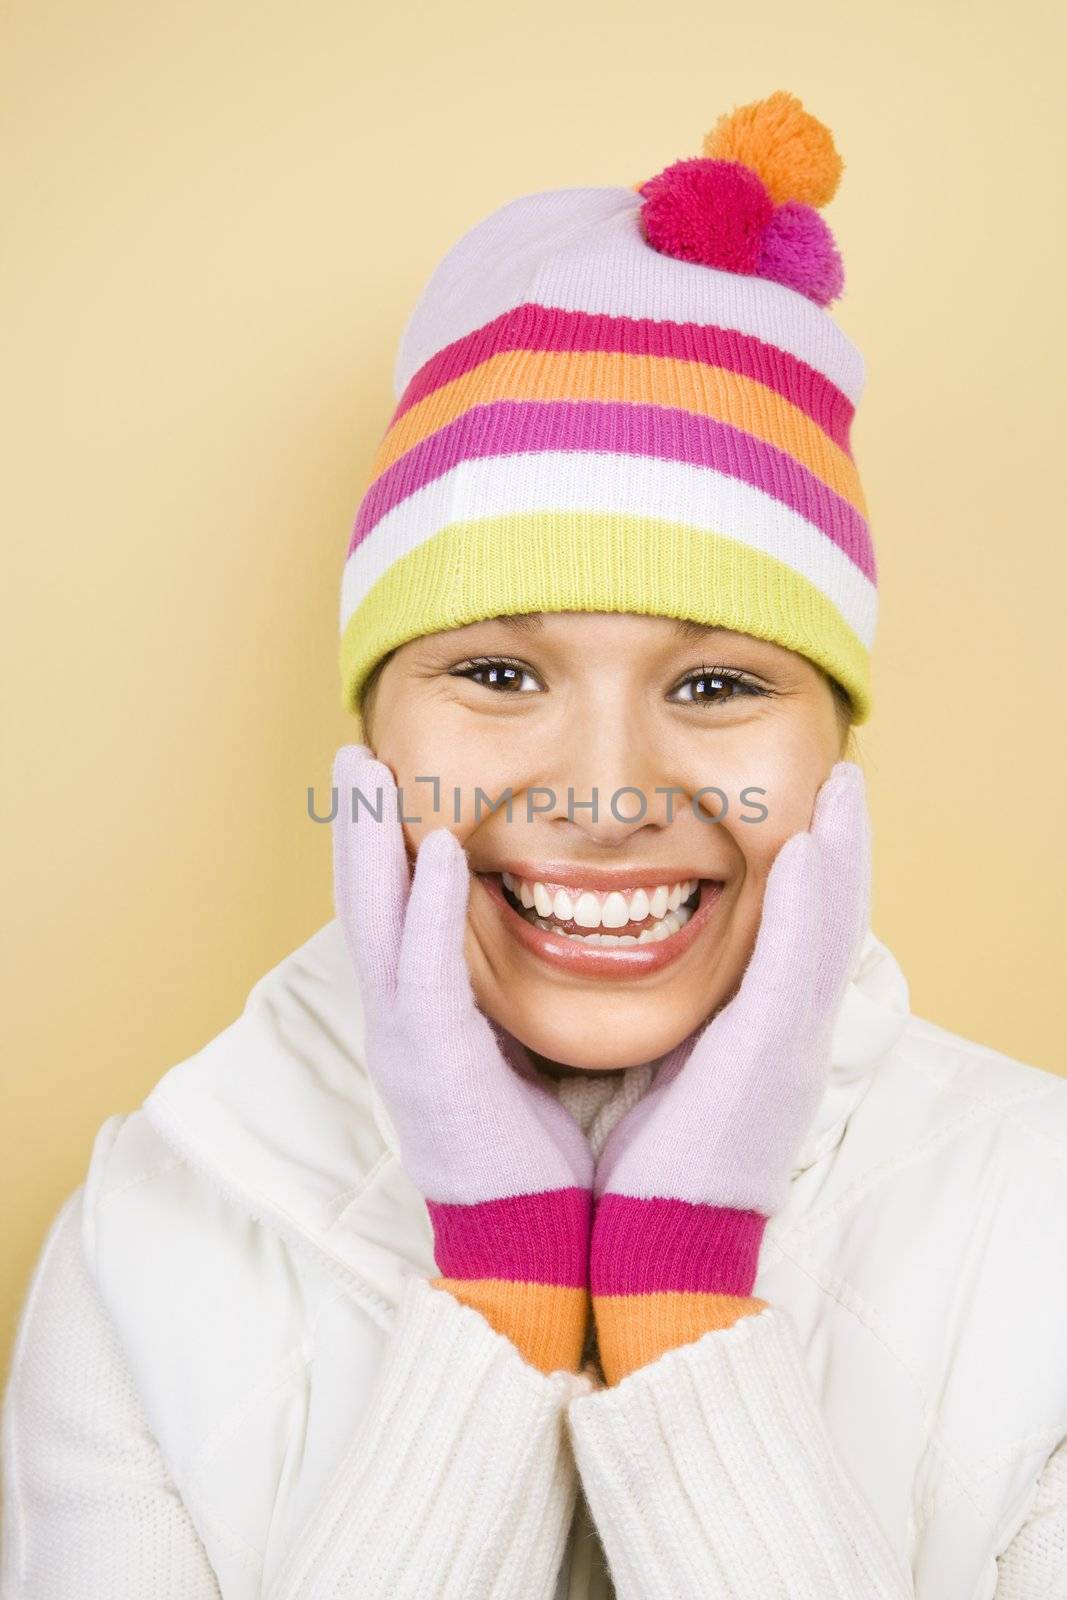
<point x="279" y="1110"/>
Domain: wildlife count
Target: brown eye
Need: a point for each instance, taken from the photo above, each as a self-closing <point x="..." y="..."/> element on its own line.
<point x="714" y="686"/>
<point x="505" y="677"/>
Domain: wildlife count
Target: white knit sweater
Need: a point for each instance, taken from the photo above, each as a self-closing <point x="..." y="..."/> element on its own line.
<point x="708" y="1473"/>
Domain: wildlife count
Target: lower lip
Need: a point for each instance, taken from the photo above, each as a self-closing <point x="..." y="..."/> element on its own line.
<point x="612" y="962"/>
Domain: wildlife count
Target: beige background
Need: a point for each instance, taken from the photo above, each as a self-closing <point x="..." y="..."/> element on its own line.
<point x="217" y="218"/>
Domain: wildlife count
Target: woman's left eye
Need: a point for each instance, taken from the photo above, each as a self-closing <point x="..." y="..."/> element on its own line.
<point x="494" y="672"/>
<point x="718" y="678"/>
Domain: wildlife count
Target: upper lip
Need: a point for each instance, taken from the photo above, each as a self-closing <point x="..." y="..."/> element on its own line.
<point x="572" y="875"/>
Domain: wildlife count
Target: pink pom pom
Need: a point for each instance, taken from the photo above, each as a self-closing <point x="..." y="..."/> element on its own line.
<point x="714" y="212"/>
<point x="799" y="251"/>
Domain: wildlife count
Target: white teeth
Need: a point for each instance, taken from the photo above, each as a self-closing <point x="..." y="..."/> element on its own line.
<point x="639" y="906"/>
<point x="587" y="911"/>
<point x="615" y="912"/>
<point x="542" y="900"/>
<point x="662" y="906"/>
<point x="615" y="908"/>
<point x="671" y="923"/>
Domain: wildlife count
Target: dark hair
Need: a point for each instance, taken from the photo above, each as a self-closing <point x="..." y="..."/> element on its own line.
<point x="367" y="693"/>
<point x="843" y="707"/>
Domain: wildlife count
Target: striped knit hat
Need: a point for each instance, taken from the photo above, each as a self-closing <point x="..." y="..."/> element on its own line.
<point x="631" y="399"/>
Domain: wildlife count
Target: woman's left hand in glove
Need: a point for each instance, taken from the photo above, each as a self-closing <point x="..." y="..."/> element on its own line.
<point x="686" y="1181"/>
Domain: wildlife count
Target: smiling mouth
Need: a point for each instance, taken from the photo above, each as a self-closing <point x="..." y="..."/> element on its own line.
<point x="588" y="918"/>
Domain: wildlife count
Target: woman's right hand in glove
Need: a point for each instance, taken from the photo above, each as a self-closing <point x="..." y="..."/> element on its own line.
<point x="505" y="1169"/>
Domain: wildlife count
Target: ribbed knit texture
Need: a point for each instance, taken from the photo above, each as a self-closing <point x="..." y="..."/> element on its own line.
<point x="486" y="1509"/>
<point x="523" y="1262"/>
<point x="90" y="1510"/>
<point x="710" y="1472"/>
<point x="1035" y="1563"/>
<point x="586" y="420"/>
<point x="711" y="1477"/>
<point x="664" y="1272"/>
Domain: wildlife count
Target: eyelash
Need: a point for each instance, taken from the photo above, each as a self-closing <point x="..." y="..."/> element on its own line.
<point x="480" y="663"/>
<point x="732" y="675"/>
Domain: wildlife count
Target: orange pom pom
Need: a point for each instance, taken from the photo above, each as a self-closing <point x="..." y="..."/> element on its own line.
<point x="791" y="150"/>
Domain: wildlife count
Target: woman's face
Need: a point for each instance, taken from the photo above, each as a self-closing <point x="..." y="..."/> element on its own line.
<point x="642" y="714"/>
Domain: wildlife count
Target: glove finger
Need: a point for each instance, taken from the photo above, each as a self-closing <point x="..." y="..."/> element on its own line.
<point x="777" y="982"/>
<point x="562" y="1127"/>
<point x="841" y="826"/>
<point x="370" y="868"/>
<point x="625" y="1132"/>
<point x="433" y="964"/>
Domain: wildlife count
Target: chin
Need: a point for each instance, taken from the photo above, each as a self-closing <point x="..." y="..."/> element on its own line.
<point x="603" y="1005"/>
<point x="609" y="1048"/>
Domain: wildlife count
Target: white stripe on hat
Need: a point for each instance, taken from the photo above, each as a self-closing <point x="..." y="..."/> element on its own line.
<point x="640" y="486"/>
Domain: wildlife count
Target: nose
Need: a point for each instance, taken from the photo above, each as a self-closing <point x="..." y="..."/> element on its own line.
<point x="610" y="781"/>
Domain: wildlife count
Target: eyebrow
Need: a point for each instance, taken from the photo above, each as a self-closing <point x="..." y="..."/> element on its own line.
<point x="522" y="621"/>
<point x="685" y="629"/>
<point x="534" y="621"/>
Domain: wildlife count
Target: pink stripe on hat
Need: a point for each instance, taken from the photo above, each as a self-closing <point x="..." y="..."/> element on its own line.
<point x="515" y="427"/>
<point x="537" y="327"/>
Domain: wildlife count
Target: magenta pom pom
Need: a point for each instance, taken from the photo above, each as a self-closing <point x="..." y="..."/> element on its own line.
<point x="799" y="251"/>
<point x="713" y="212"/>
<point x="719" y="213"/>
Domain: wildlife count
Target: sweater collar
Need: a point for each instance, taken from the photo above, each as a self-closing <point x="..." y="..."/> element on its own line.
<point x="869" y="1021"/>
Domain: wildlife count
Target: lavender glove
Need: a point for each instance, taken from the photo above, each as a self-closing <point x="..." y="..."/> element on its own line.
<point x="686" y="1181"/>
<point x="505" y="1169"/>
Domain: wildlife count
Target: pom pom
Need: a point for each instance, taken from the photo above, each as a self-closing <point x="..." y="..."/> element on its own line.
<point x="791" y="150"/>
<point x="799" y="251"/>
<point x="714" y="212"/>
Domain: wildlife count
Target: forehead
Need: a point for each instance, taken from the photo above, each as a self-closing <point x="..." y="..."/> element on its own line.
<point x="541" y="622"/>
<point x="553" y="628"/>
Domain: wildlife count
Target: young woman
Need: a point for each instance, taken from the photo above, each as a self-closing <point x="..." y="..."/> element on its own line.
<point x="581" y="1212"/>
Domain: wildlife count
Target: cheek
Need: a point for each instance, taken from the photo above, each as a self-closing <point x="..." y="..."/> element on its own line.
<point x="769" y="791"/>
<point x="780" y="777"/>
<point x="783" y="777"/>
<point x="440" y="774"/>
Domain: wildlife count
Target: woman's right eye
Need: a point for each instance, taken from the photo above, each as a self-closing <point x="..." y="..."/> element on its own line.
<point x="495" y="672"/>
